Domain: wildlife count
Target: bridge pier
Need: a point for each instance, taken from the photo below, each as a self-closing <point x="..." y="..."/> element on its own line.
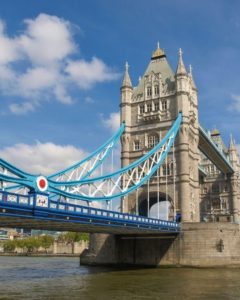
<point x="198" y="245"/>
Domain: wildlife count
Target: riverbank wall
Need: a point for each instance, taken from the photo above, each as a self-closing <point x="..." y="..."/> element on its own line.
<point x="198" y="245"/>
<point x="57" y="249"/>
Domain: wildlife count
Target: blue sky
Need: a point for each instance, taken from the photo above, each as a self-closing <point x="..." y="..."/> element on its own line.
<point x="61" y="104"/>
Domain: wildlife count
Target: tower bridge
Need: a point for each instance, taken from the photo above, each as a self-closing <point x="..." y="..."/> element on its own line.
<point x="172" y="170"/>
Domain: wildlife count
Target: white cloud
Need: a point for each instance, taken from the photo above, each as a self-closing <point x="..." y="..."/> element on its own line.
<point x="235" y="105"/>
<point x="21" y="109"/>
<point x="37" y="79"/>
<point x="62" y="95"/>
<point x="47" y="39"/>
<point x="86" y="74"/>
<point x="9" y="52"/>
<point x="47" y="70"/>
<point x="112" y="122"/>
<point x="42" y="158"/>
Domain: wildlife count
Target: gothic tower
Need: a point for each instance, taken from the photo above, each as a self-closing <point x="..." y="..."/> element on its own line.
<point x="149" y="110"/>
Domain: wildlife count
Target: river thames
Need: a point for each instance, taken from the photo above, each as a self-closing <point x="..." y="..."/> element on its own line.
<point x="63" y="278"/>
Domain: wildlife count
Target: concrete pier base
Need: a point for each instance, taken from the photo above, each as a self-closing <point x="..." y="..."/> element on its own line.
<point x="198" y="245"/>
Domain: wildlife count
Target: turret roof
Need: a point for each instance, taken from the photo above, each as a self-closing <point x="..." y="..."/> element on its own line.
<point x="157" y="65"/>
<point x="126" y="79"/>
<point x="180" y="67"/>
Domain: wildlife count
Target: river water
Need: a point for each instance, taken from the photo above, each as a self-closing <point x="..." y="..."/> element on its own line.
<point x="63" y="278"/>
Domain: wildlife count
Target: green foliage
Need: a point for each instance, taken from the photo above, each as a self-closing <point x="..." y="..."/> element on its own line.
<point x="46" y="241"/>
<point x="31" y="244"/>
<point x="71" y="237"/>
<point x="9" y="246"/>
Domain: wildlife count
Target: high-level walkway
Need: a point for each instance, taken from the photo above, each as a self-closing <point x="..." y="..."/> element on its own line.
<point x="213" y="152"/>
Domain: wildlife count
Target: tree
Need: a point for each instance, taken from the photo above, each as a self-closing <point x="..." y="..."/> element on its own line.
<point x="46" y="241"/>
<point x="32" y="243"/>
<point x="72" y="237"/>
<point x="9" y="246"/>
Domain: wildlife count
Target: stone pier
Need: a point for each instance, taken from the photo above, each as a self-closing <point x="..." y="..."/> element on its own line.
<point x="198" y="245"/>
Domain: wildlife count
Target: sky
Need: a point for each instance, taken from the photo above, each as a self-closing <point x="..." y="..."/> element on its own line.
<point x="62" y="62"/>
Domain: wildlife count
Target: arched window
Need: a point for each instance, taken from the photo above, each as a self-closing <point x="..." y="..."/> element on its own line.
<point x="152" y="140"/>
<point x="156" y="89"/>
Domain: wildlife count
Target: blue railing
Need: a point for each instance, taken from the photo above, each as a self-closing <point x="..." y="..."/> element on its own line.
<point x="40" y="202"/>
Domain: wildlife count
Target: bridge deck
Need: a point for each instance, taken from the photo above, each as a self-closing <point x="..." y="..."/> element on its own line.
<point x="38" y="212"/>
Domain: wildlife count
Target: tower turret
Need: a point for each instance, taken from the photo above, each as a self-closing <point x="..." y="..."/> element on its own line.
<point x="234" y="179"/>
<point x="126" y="97"/>
<point x="192" y="82"/>
<point x="126" y="117"/>
<point x="181" y="76"/>
<point x="187" y="142"/>
<point x="233" y="154"/>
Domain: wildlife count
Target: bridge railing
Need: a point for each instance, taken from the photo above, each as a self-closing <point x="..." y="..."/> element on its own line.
<point x="41" y="201"/>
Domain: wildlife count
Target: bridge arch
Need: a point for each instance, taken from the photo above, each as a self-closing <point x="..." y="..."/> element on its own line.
<point x="153" y="200"/>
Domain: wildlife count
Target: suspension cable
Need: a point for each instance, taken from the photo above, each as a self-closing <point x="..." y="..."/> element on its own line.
<point x="137" y="212"/>
<point x="174" y="185"/>
<point x="148" y="196"/>
<point x="148" y="201"/>
<point x="158" y="191"/>
<point x="111" y="203"/>
<point x="122" y="205"/>
<point x="166" y="189"/>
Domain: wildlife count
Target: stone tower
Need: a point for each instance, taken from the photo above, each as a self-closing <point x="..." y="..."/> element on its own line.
<point x="149" y="110"/>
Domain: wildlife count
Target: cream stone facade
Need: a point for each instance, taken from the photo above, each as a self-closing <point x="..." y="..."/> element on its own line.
<point x="196" y="189"/>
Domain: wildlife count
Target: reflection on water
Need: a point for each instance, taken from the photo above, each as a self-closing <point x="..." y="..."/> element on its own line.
<point x="63" y="278"/>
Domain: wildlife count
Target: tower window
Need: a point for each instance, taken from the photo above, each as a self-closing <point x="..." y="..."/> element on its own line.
<point x="166" y="170"/>
<point x="215" y="188"/>
<point x="141" y="109"/>
<point x="149" y="91"/>
<point x="136" y="145"/>
<point x="152" y="141"/>
<point x="211" y="169"/>
<point x="164" y="105"/>
<point x="156" y="105"/>
<point x="149" y="107"/>
<point x="216" y="203"/>
<point x="156" y="90"/>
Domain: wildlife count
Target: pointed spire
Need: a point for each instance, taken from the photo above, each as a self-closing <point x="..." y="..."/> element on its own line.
<point x="158" y="53"/>
<point x="191" y="78"/>
<point x="126" y="79"/>
<point x="180" y="68"/>
<point x="232" y="145"/>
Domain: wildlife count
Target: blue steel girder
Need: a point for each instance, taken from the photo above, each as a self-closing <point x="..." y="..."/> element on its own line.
<point x="87" y="166"/>
<point x="123" y="181"/>
<point x="15" y="179"/>
<point x="108" y="187"/>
